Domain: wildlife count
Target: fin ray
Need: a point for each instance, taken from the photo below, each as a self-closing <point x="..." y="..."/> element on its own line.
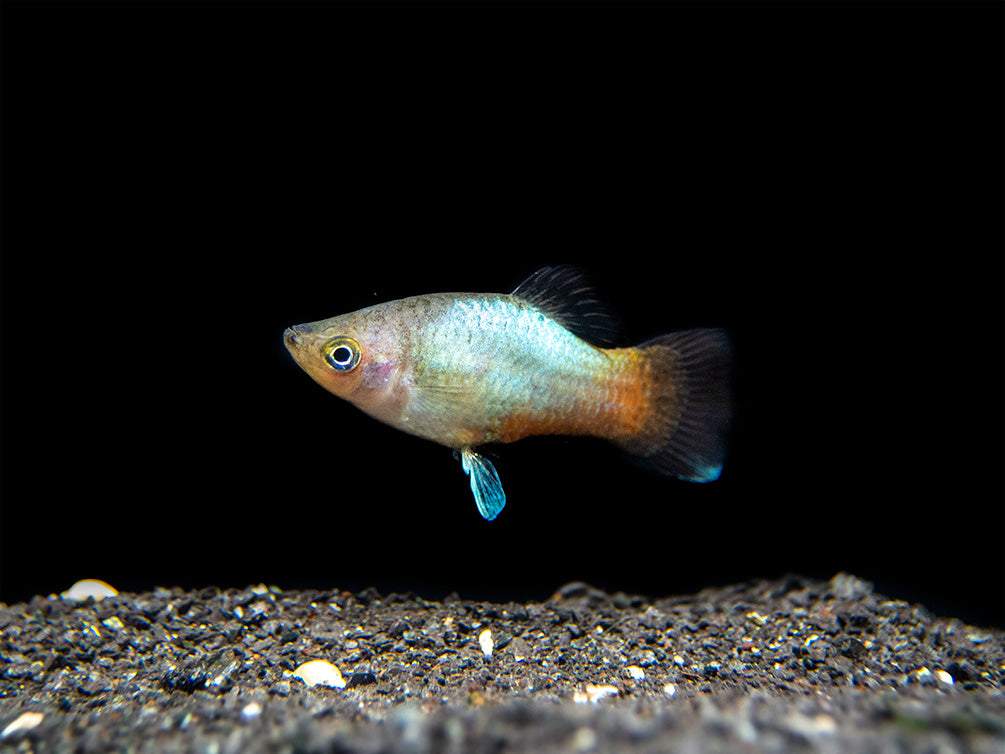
<point x="485" y="484"/>
<point x="564" y="294"/>
<point x="692" y="406"/>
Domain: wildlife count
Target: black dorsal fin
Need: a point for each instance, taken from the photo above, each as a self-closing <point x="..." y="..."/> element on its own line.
<point x="564" y="294"/>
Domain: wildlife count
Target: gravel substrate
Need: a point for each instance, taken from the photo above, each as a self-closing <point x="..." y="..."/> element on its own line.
<point x="780" y="665"/>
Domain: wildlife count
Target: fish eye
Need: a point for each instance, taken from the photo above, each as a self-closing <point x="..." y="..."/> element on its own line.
<point x="342" y="354"/>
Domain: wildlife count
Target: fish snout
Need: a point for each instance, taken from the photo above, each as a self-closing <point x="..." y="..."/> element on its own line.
<point x="293" y="336"/>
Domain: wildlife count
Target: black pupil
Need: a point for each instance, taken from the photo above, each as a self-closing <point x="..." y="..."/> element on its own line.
<point x="341" y="355"/>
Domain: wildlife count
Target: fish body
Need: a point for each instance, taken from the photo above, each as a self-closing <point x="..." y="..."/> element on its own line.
<point x="467" y="369"/>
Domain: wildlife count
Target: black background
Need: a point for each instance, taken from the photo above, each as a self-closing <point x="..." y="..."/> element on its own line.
<point x="182" y="182"/>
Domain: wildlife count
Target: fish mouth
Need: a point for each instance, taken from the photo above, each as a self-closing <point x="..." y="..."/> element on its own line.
<point x="293" y="337"/>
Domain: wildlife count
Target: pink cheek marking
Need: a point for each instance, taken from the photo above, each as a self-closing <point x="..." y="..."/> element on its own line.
<point x="378" y="374"/>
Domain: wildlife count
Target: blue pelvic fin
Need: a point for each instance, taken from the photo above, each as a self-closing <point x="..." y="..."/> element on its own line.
<point x="485" y="484"/>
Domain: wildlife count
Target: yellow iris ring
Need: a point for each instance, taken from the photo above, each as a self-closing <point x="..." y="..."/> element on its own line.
<point x="342" y="353"/>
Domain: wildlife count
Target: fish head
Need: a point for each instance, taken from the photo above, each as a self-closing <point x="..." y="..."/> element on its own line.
<point x="351" y="356"/>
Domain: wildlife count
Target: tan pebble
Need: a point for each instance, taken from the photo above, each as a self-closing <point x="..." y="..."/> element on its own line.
<point x="593" y="693"/>
<point x="26" y="721"/>
<point x="90" y="588"/>
<point x="320" y="673"/>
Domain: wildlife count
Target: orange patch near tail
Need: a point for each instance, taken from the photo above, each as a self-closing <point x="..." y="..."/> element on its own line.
<point x="634" y="395"/>
<point x="613" y="403"/>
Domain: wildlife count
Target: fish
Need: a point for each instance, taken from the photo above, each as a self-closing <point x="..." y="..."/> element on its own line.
<point x="469" y="369"/>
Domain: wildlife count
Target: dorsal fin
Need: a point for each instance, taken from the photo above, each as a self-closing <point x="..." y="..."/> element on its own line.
<point x="564" y="294"/>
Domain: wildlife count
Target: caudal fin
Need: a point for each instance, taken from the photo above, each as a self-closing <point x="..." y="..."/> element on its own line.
<point x="690" y="407"/>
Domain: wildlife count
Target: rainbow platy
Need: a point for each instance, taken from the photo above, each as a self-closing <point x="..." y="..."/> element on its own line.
<point x="467" y="369"/>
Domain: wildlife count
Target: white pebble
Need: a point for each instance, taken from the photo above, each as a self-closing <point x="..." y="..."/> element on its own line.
<point x="636" y="672"/>
<point x="943" y="676"/>
<point x="251" y="711"/>
<point x="486" y="643"/>
<point x="320" y="672"/>
<point x="27" y="721"/>
<point x="593" y="693"/>
<point x="89" y="588"/>
<point x="669" y="689"/>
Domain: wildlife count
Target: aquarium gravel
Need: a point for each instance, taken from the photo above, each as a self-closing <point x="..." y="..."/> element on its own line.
<point x="782" y="665"/>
